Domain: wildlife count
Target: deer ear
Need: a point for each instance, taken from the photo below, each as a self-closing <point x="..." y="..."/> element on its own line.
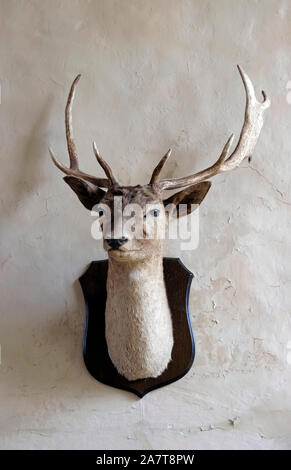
<point x="88" y="195"/>
<point x="190" y="197"/>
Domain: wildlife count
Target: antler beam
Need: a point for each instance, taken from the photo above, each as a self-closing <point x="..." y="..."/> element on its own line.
<point x="253" y="123"/>
<point x="74" y="166"/>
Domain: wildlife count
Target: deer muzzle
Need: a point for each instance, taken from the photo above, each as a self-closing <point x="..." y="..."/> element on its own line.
<point x="115" y="243"/>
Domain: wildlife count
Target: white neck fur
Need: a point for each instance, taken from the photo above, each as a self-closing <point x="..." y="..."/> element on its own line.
<point x="138" y="319"/>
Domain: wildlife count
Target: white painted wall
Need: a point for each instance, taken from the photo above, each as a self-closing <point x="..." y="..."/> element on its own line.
<point x="156" y="73"/>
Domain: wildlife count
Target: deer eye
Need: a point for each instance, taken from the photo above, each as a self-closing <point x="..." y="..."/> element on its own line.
<point x="154" y="213"/>
<point x="100" y="212"/>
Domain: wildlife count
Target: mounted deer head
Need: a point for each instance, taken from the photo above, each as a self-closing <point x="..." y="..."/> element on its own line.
<point x="138" y="321"/>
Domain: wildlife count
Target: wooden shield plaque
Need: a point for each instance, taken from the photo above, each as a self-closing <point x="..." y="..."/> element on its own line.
<point x="178" y="281"/>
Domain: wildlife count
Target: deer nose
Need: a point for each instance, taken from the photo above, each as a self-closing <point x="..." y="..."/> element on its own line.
<point x="116" y="243"/>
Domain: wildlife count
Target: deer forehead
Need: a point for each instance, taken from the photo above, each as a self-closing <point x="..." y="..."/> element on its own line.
<point x="141" y="195"/>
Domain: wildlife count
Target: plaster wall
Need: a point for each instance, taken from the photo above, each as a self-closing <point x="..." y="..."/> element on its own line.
<point x="156" y="74"/>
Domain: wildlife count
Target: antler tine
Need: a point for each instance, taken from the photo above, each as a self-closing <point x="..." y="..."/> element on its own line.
<point x="69" y="126"/>
<point x="100" y="182"/>
<point x="104" y="165"/>
<point x="74" y="166"/>
<point x="158" y="169"/>
<point x="253" y="123"/>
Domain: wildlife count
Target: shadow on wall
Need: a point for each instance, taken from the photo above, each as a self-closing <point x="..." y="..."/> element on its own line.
<point x="48" y="360"/>
<point x="28" y="164"/>
<point x="41" y="346"/>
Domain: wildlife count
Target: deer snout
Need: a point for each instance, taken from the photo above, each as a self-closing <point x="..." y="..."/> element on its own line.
<point x="116" y="243"/>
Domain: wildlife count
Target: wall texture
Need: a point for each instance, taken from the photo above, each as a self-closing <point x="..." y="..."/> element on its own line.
<point x="156" y="73"/>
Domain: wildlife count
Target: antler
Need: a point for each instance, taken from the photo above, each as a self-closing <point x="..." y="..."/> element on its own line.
<point x="249" y="135"/>
<point x="74" y="166"/>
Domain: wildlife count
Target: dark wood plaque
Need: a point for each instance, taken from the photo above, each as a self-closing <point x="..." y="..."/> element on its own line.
<point x="178" y="281"/>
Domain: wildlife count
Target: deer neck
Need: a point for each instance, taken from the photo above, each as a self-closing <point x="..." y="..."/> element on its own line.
<point x="129" y="273"/>
<point x="138" y="319"/>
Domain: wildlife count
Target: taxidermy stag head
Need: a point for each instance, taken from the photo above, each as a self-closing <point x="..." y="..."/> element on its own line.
<point x="138" y="319"/>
